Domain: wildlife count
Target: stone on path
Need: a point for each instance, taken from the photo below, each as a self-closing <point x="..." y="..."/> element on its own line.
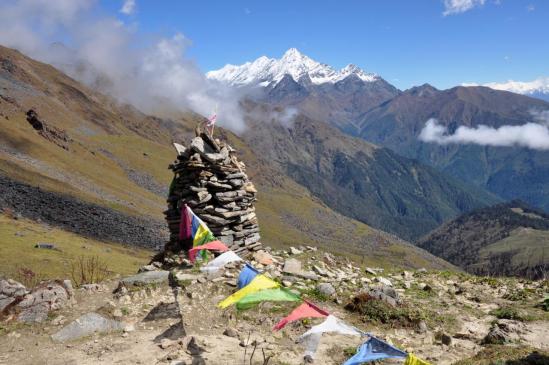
<point x="9" y="291"/>
<point x="292" y="266"/>
<point x="146" y="278"/>
<point x="34" y="307"/>
<point x="86" y="325"/>
<point x="326" y="289"/>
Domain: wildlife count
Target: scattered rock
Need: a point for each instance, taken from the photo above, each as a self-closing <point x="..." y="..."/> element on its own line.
<point x="231" y="332"/>
<point x="326" y="289"/>
<point x="147" y="278"/>
<point x="149" y="267"/>
<point x="46" y="297"/>
<point x="10" y="290"/>
<point x="383" y="281"/>
<point x="263" y="257"/>
<point x="47" y="246"/>
<point x="292" y="266"/>
<point x="92" y="287"/>
<point x="445" y="339"/>
<point x="319" y="270"/>
<point x="294" y="251"/>
<point x="166" y="343"/>
<point x="86" y="325"/>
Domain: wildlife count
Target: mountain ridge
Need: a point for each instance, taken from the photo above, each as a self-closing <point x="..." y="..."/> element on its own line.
<point x="266" y="71"/>
<point x="113" y="152"/>
<point x="505" y="239"/>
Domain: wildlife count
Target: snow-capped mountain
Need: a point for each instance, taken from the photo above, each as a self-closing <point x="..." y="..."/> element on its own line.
<point x="538" y="88"/>
<point x="269" y="71"/>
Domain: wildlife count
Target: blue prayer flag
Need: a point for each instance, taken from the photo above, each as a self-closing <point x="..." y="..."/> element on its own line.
<point x="247" y="274"/>
<point x="374" y="349"/>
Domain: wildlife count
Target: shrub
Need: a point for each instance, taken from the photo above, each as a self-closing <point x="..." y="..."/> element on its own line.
<point x="376" y="310"/>
<point x="545" y="304"/>
<point x="315" y="294"/>
<point x="518" y="295"/>
<point x="88" y="270"/>
<point x="28" y="277"/>
<point x="508" y="313"/>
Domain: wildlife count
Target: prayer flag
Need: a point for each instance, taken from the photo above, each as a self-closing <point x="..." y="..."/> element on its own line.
<point x="267" y="295"/>
<point x="311" y="338"/>
<point x="212" y="246"/>
<point x="200" y="232"/>
<point x="220" y="261"/>
<point x="305" y="310"/>
<point x="374" y="349"/>
<point x="247" y="274"/>
<point x="185" y="230"/>
<point x="413" y="360"/>
<point x="333" y="324"/>
<point x="258" y="283"/>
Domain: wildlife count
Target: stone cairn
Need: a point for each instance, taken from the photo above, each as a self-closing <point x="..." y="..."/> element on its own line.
<point x="213" y="183"/>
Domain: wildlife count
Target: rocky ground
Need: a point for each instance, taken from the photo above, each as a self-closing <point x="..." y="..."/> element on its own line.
<point x="78" y="216"/>
<point x="170" y="317"/>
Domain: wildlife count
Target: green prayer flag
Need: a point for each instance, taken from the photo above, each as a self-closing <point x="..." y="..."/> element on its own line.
<point x="267" y="295"/>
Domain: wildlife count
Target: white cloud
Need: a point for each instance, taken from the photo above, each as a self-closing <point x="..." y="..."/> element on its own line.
<point x="128" y="7"/>
<point x="531" y="7"/>
<point x="101" y="51"/>
<point x="531" y="135"/>
<point x="539" y="85"/>
<point x="460" y="6"/>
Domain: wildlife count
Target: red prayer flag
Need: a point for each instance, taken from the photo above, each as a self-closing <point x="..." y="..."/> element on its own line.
<point x="185" y="230"/>
<point x="212" y="246"/>
<point x="305" y="310"/>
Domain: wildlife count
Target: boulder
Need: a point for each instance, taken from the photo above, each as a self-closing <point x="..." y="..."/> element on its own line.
<point x="294" y="251"/>
<point x="292" y="266"/>
<point x="34" y="307"/>
<point x="147" y="278"/>
<point x="383" y="281"/>
<point x="263" y="257"/>
<point x="86" y="325"/>
<point x="231" y="332"/>
<point x="326" y="289"/>
<point x="9" y="291"/>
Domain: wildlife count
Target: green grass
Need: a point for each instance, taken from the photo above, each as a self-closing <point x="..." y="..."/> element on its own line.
<point x="507" y="355"/>
<point x="510" y="313"/>
<point x="18" y="238"/>
<point x="379" y="312"/>
<point x="534" y="244"/>
<point x="315" y="295"/>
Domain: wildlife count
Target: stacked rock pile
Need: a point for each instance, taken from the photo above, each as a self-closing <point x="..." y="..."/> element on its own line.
<point x="213" y="183"/>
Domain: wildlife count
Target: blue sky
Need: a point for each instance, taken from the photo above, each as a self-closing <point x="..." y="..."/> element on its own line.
<point x="406" y="42"/>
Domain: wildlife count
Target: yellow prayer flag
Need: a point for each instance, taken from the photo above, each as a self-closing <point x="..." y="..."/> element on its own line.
<point x="203" y="235"/>
<point x="412" y="360"/>
<point x="260" y="282"/>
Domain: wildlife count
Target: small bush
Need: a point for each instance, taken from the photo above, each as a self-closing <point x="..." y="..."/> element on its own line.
<point x="508" y="313"/>
<point x="349" y="351"/>
<point x="545" y="304"/>
<point x="88" y="270"/>
<point x="9" y="213"/>
<point x="28" y="277"/>
<point x="315" y="294"/>
<point x="518" y="295"/>
<point x="376" y="310"/>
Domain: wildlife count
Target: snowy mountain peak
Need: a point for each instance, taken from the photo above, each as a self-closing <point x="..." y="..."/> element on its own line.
<point x="269" y="71"/>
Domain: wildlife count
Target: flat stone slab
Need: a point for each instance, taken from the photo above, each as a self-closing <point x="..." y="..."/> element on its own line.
<point x="146" y="278"/>
<point x="86" y="325"/>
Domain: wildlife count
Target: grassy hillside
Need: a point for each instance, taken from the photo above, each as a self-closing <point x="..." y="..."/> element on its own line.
<point x="505" y="239"/>
<point x="18" y="253"/>
<point x="104" y="154"/>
